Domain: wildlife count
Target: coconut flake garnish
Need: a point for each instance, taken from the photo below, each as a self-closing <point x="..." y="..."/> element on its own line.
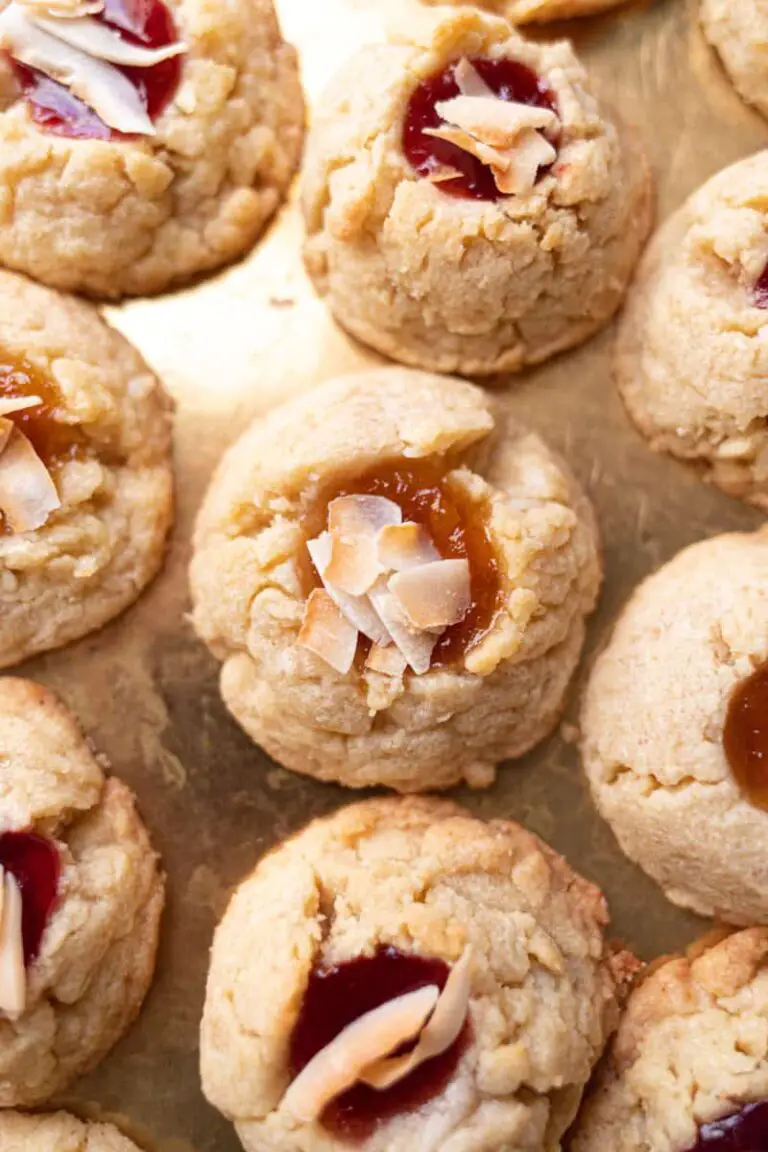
<point x="387" y="661"/>
<point x="509" y="137"/>
<point x="10" y="404"/>
<point x="104" y="43"/>
<point x="28" y="495"/>
<point x="63" y="9"/>
<point x="361" y="1044"/>
<point x="13" y="980"/>
<point x="361" y="561"/>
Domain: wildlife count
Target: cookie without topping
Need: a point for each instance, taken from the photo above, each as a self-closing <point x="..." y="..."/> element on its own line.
<point x="104" y="436"/>
<point x="656" y="717"/>
<point x="690" y="1052"/>
<point x="691" y="360"/>
<point x="59" y="1132"/>
<point x="495" y="685"/>
<point x="739" y="32"/>
<point x="541" y="11"/>
<point x="110" y="214"/>
<point x="417" y="878"/>
<point x="92" y="893"/>
<point x="524" y="254"/>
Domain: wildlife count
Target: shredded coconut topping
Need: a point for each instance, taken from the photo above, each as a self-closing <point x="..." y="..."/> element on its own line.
<point x="28" y="494"/>
<point x="13" y="980"/>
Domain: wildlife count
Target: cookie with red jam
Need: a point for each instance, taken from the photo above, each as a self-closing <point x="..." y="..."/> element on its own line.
<point x="396" y="576"/>
<point x="470" y="206"/>
<point x="431" y="982"/>
<point x="142" y="142"/>
<point x="688" y="1068"/>
<point x="81" y="895"/>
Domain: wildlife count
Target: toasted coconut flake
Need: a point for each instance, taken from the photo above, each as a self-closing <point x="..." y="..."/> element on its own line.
<point x="98" y="40"/>
<point x="470" y="81"/>
<point x="9" y="404"/>
<point x="406" y="545"/>
<point x="415" y="646"/>
<point x="374" y="1035"/>
<point x="327" y="632"/>
<point x="350" y="516"/>
<point x="63" y="9"/>
<point x="354" y="564"/>
<point x="433" y="595"/>
<point x="485" y="154"/>
<point x="493" y="121"/>
<point x="357" y="609"/>
<point x="442" y="173"/>
<point x="6" y="431"/>
<point x="101" y="86"/>
<point x="387" y="661"/>
<point x="27" y="493"/>
<point x="13" y="980"/>
<point x="442" y="1029"/>
<point x="533" y="152"/>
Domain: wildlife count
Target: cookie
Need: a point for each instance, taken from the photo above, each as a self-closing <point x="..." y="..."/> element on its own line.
<point x="86" y="487"/>
<point x="541" y="11"/>
<point x="691" y="362"/>
<point x="470" y="207"/>
<point x="675" y="728"/>
<point x="377" y="917"/>
<point x="395" y="574"/>
<point x="59" y="1132"/>
<point x="82" y="898"/>
<point x="688" y="1068"/>
<point x="738" y="32"/>
<point x="172" y="145"/>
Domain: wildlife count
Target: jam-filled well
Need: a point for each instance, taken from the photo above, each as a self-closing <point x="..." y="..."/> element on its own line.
<point x="54" y="441"/>
<point x="760" y="291"/>
<point x="744" y="1131"/>
<point x="338" y="995"/>
<point x="508" y="79"/>
<point x="146" y="22"/>
<point x="459" y="530"/>
<point x="745" y="736"/>
<point x="34" y="863"/>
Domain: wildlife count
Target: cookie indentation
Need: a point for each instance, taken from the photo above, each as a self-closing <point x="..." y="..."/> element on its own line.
<point x="745" y="736"/>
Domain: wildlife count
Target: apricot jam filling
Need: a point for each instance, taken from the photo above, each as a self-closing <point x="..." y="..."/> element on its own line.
<point x="53" y="441"/>
<point x="745" y="737"/>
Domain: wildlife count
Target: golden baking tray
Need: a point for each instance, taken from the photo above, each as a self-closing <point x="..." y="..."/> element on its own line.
<point x="231" y="348"/>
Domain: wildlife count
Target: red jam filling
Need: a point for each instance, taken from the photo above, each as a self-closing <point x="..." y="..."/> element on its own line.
<point x="145" y="22"/>
<point x="337" y="996"/>
<point x="509" y="80"/>
<point x="745" y="736"/>
<point x="34" y="862"/>
<point x="760" y="291"/>
<point x="745" y="1131"/>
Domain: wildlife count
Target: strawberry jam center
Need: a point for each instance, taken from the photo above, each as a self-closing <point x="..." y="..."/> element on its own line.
<point x="745" y="736"/>
<point x="760" y="291"/>
<point x="34" y="863"/>
<point x="145" y="22"/>
<point x="745" y="1131"/>
<point x="509" y="80"/>
<point x="337" y="996"/>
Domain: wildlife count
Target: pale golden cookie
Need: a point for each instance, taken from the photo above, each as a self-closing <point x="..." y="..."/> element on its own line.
<point x="105" y="499"/>
<point x="499" y="686"/>
<point x="656" y="720"/>
<point x="73" y="845"/>
<point x="137" y="214"/>
<point x="540" y="11"/>
<point x="59" y="1132"/>
<point x="534" y="261"/>
<point x="692" y="354"/>
<point x="691" y="1050"/>
<point x="738" y="30"/>
<point x="383" y="887"/>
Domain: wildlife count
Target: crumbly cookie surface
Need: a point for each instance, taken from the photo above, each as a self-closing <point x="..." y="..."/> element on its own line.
<point x="59" y="1132"/>
<point x="653" y="721"/>
<point x="457" y="285"/>
<point x="98" y="950"/>
<point x="691" y="359"/>
<point x="541" y="11"/>
<point x="95" y="554"/>
<point x="423" y="876"/>
<point x="691" y="1049"/>
<point x="126" y="217"/>
<point x="739" y="33"/>
<point x="415" y="732"/>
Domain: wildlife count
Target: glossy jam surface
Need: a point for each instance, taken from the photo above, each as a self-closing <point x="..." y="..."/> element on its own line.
<point x="745" y="1131"/>
<point x="53" y="441"/>
<point x="337" y="996"/>
<point x="745" y="737"/>
<point x="459" y="530"/>
<point x="760" y="291"/>
<point x="34" y="862"/>
<point x="509" y="80"/>
<point x="146" y="22"/>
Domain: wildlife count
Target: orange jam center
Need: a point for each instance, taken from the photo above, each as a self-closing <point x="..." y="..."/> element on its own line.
<point x="459" y="530"/>
<point x="745" y="737"/>
<point x="53" y="441"/>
